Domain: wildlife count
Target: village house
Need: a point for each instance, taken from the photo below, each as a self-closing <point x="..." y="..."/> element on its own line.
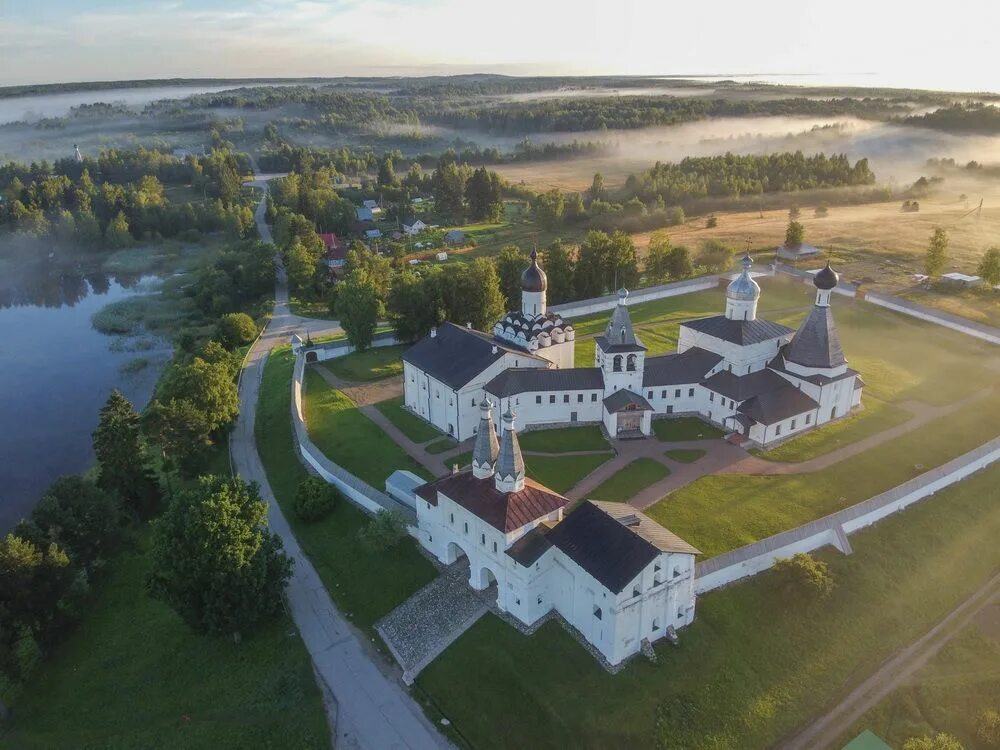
<point x="413" y="226"/>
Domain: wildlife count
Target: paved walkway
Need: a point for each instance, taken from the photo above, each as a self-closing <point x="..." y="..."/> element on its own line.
<point x="372" y="709"/>
<point x="824" y="731"/>
<point x="423" y="626"/>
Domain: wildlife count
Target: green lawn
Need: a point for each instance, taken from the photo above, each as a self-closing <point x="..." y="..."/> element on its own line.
<point x="372" y="364"/>
<point x="721" y="512"/>
<point x="685" y="455"/>
<point x="636" y="476"/>
<point x="558" y="473"/>
<point x="876" y="416"/>
<point x="684" y="428"/>
<point x="311" y="308"/>
<point x="415" y="428"/>
<point x="564" y="440"/>
<point x="347" y="437"/>
<point x="134" y="676"/>
<point x="754" y="665"/>
<point x="442" y="445"/>
<point x="364" y="584"/>
<point x="946" y="695"/>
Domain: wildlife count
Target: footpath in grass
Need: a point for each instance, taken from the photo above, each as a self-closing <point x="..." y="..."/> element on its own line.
<point x="720" y="512"/>
<point x="684" y="428"/>
<point x="372" y="364"/>
<point x="134" y="675"/>
<point x="633" y="478"/>
<point x="349" y="438"/>
<point x="876" y="416"/>
<point x="754" y="666"/>
<point x="947" y="695"/>
<point x="365" y="585"/>
<point x="415" y="428"/>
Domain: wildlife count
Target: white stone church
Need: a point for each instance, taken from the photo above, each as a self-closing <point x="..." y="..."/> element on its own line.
<point x="759" y="379"/>
<point x="616" y="576"/>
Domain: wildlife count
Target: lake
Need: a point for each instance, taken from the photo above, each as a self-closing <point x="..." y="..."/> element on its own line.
<point x="56" y="372"/>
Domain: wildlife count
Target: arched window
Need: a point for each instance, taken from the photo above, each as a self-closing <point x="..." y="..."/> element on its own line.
<point x="617" y="363"/>
<point x="630" y="366"/>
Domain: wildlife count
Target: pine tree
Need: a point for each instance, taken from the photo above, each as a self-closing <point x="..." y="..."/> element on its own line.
<point x="121" y="463"/>
<point x="936" y="252"/>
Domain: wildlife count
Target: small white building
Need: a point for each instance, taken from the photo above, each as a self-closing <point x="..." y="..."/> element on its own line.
<point x="795" y="252"/>
<point x="373" y="206"/>
<point x="961" y="279"/>
<point x="413" y="226"/>
<point x="611" y="572"/>
<point x="759" y="379"/>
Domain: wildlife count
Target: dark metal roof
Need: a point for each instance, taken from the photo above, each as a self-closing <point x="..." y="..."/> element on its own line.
<point x="613" y="553"/>
<point x="621" y="400"/>
<point x="506" y="511"/>
<point x="526" y="550"/>
<point x="742" y="387"/>
<point x="607" y="346"/>
<point x="456" y="355"/>
<point x="691" y="366"/>
<point x="777" y="405"/>
<point x="826" y="278"/>
<point x="816" y="343"/>
<point x="741" y="332"/>
<point x="619" y="334"/>
<point x="514" y="381"/>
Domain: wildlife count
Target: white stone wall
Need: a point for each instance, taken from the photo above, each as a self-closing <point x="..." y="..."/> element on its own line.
<point x="980" y="332"/>
<point x="740" y="360"/>
<point x="549" y="407"/>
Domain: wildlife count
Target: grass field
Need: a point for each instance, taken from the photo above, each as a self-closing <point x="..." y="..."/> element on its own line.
<point x="636" y="476"/>
<point x="564" y="440"/>
<point x="947" y="695"/>
<point x="684" y="428"/>
<point x="441" y="446"/>
<point x="409" y="424"/>
<point x="752" y="667"/>
<point x="372" y="364"/>
<point x="720" y="512"/>
<point x="365" y="585"/>
<point x="349" y="438"/>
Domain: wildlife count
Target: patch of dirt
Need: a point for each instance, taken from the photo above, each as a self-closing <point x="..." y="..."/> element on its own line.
<point x="988" y="621"/>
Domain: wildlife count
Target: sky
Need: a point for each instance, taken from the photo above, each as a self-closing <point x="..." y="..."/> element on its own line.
<point x="851" y="41"/>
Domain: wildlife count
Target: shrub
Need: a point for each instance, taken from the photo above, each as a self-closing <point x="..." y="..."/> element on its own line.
<point x="675" y="216"/>
<point x="988" y="728"/>
<point x="939" y="741"/>
<point x="385" y="530"/>
<point x="314" y="499"/>
<point x="821" y="211"/>
<point x="236" y="329"/>
<point x="712" y="222"/>
<point x="803" y="573"/>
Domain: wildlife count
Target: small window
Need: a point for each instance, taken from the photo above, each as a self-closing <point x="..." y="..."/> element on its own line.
<point x="598" y="614"/>
<point x="670" y="409"/>
<point x="711" y="396"/>
<point x="517" y="602"/>
<point x="552" y="399"/>
<point x="593" y="397"/>
<point x="473" y="402"/>
<point x="494" y="547"/>
<point x="482" y="539"/>
<point x="680" y="614"/>
<point x="452" y="520"/>
<point x="809" y="418"/>
<point x="466" y="524"/>
<point x="677" y="393"/>
<point x="656" y="567"/>
<point x="649" y="394"/>
<point x="677" y="572"/>
<point x="539" y="599"/>
<point x="793" y="424"/>
<point x="630" y="366"/>
<point x="579" y="398"/>
<point x="437" y="394"/>
<point x="617" y="363"/>
<point x="663" y="394"/>
<point x="656" y="624"/>
<point x="565" y="398"/>
<point x="777" y="430"/>
<point x="636" y="591"/>
<point x="690" y="392"/>
<point x="538" y="399"/>
<point x="730" y="367"/>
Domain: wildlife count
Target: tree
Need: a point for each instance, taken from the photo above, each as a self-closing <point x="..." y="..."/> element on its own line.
<point x="989" y="266"/>
<point x="510" y="264"/>
<point x="715" y="255"/>
<point x="596" y="191"/>
<point x="470" y="293"/>
<point x="236" y="329"/>
<point x="358" y="306"/>
<point x="448" y="188"/>
<point x="804" y="574"/>
<point x="117" y="234"/>
<point x="210" y="387"/>
<point x="121" y="461"/>
<point x="795" y="234"/>
<point x="414" y="304"/>
<point x="182" y="432"/>
<point x="314" y="499"/>
<point x="591" y="266"/>
<point x="385" y="530"/>
<point x="657" y="257"/>
<point x="483" y="193"/>
<point x="623" y="263"/>
<point x="79" y="517"/>
<point x="560" y="269"/>
<point x="939" y="741"/>
<point x="214" y="561"/>
<point x="300" y="264"/>
<point x="549" y="207"/>
<point x="936" y="252"/>
<point x="387" y="173"/>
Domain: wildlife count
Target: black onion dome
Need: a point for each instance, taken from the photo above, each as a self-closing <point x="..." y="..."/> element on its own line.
<point x="827" y="278"/>
<point x="533" y="279"/>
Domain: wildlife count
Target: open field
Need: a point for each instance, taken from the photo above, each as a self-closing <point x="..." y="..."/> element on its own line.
<point x="564" y="440"/>
<point x="720" y="512"/>
<point x="366" y="585"/>
<point x="349" y="438"/>
<point x="371" y="364"/>
<point x="947" y="695"/>
<point x="636" y="476"/>
<point x="751" y="668"/>
<point x="684" y="428"/>
<point x="134" y="675"/>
